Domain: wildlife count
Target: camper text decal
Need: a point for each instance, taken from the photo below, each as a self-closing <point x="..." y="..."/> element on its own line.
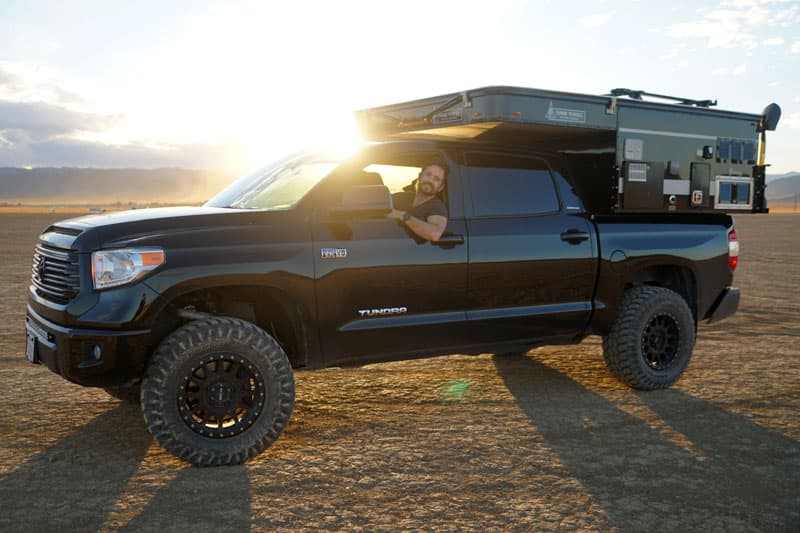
<point x="562" y="114"/>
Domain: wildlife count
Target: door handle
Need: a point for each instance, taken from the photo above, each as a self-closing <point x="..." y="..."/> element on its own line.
<point x="574" y="236"/>
<point x="449" y="239"/>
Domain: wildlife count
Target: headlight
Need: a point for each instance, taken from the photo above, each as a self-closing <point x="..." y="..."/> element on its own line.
<point x="111" y="268"/>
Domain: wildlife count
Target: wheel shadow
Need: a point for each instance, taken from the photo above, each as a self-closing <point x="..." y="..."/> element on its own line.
<point x="746" y="479"/>
<point x="199" y="499"/>
<point x="76" y="483"/>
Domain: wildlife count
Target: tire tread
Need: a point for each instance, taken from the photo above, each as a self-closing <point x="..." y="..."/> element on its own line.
<point x="210" y="333"/>
<point x="622" y="349"/>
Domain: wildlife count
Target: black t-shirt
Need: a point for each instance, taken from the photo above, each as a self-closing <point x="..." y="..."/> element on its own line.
<point x="404" y="201"/>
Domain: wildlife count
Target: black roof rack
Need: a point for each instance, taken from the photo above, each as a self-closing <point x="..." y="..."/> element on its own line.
<point x="637" y="95"/>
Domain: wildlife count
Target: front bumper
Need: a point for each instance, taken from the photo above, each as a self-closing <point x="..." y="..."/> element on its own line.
<point x="726" y="305"/>
<point x="72" y="352"/>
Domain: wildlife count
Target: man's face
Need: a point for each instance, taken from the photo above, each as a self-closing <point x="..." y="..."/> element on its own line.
<point x="432" y="180"/>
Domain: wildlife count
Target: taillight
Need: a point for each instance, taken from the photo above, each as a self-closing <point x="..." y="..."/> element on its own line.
<point x="733" y="249"/>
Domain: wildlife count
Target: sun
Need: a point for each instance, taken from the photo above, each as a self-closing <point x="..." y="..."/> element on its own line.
<point x="335" y="133"/>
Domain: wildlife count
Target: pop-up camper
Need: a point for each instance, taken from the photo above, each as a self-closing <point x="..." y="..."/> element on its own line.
<point x="624" y="153"/>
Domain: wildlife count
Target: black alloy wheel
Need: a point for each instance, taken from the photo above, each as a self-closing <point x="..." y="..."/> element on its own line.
<point x="221" y="396"/>
<point x="660" y="342"/>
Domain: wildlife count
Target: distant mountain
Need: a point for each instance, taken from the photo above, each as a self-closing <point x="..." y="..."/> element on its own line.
<point x="109" y="185"/>
<point x="785" y="187"/>
<point x="175" y="185"/>
<point x="772" y="177"/>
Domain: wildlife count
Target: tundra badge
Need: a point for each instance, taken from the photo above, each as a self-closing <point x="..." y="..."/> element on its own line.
<point x="333" y="253"/>
<point x="383" y="312"/>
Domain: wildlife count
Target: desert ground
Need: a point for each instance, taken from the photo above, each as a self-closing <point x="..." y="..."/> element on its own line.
<point x="501" y="443"/>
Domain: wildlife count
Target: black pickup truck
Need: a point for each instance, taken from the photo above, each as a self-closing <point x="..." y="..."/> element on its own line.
<point x="202" y="312"/>
<point x="568" y="215"/>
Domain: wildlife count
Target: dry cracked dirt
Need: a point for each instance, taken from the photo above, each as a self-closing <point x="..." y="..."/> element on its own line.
<point x="544" y="441"/>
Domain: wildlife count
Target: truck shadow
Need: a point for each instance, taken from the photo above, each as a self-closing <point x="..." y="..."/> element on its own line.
<point x="745" y="477"/>
<point x="84" y="480"/>
<point x="76" y="483"/>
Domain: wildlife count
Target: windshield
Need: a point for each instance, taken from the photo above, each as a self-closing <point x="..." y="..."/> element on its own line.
<point x="279" y="185"/>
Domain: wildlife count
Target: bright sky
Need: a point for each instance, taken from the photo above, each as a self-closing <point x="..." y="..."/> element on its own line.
<point x="229" y="85"/>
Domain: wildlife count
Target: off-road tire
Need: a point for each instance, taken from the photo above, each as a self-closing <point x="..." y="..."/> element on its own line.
<point x="651" y="340"/>
<point x="128" y="393"/>
<point x="196" y="349"/>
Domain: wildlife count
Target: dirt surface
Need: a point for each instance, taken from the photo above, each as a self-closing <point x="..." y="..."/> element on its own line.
<point x="537" y="442"/>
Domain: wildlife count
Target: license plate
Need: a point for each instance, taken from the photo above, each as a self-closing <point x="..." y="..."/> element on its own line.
<point x="30" y="347"/>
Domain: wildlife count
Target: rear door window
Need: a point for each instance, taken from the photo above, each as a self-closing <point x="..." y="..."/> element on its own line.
<point x="503" y="185"/>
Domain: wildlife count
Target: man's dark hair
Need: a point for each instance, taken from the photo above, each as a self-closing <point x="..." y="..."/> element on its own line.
<point x="439" y="162"/>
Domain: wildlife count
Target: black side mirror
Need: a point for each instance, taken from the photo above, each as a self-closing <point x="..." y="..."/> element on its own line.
<point x="770" y="117"/>
<point x="364" y="200"/>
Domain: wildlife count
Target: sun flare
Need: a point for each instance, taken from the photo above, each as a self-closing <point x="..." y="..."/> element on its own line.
<point x="336" y="134"/>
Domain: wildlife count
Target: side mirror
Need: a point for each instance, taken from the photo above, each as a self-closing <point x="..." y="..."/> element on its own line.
<point x="770" y="117"/>
<point x="364" y="200"/>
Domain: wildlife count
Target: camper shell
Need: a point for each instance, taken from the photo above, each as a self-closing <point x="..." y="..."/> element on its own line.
<point x="623" y="153"/>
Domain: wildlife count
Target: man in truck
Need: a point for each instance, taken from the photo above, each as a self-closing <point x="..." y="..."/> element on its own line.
<point x="424" y="213"/>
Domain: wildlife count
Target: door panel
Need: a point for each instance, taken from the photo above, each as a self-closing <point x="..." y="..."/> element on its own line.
<point x="389" y="294"/>
<point x="385" y="292"/>
<point x="525" y="281"/>
<point x="531" y="265"/>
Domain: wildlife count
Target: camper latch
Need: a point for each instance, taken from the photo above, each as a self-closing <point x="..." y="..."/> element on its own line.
<point x="611" y="108"/>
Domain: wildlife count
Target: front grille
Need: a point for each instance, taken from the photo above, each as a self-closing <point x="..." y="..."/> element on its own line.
<point x="55" y="274"/>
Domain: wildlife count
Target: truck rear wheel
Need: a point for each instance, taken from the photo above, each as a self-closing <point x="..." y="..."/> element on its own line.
<point x="217" y="392"/>
<point x="651" y="340"/>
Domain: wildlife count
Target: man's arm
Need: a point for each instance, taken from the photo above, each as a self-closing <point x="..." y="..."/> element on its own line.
<point x="430" y="229"/>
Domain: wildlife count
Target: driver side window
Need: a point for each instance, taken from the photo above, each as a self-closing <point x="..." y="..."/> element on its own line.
<point x="395" y="177"/>
<point x="399" y="171"/>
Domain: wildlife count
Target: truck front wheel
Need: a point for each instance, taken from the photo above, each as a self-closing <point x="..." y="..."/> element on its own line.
<point x="651" y="340"/>
<point x="217" y="392"/>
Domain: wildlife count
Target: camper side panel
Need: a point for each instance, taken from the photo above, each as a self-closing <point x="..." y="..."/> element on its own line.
<point x="683" y="159"/>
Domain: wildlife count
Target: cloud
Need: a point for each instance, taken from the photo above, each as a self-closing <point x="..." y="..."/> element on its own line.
<point x="796" y="47"/>
<point x="9" y="81"/>
<point x="79" y="153"/>
<point x="670" y="54"/>
<point x="723" y="34"/>
<point x="719" y="70"/>
<point x="596" y="20"/>
<point x="27" y="83"/>
<point x="44" y="123"/>
<point x="741" y="69"/>
<point x="787" y="17"/>
<point x="38" y="121"/>
<point x="792" y="121"/>
<point x="733" y="23"/>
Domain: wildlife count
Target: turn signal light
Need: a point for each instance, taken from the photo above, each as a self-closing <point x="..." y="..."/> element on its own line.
<point x="733" y="249"/>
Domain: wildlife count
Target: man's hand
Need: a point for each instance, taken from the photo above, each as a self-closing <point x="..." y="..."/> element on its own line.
<point x="430" y="230"/>
<point x="395" y="214"/>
